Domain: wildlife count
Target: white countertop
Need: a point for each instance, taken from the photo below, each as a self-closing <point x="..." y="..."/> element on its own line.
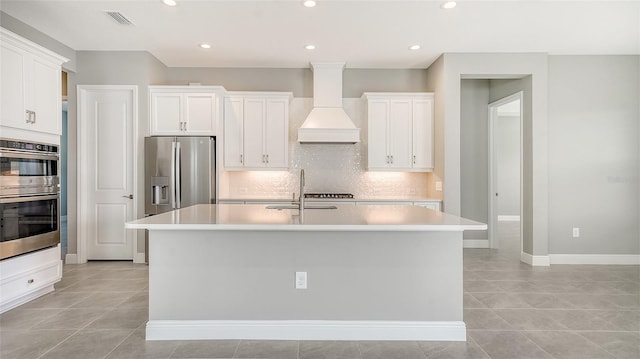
<point x="278" y="199"/>
<point x="345" y="218"/>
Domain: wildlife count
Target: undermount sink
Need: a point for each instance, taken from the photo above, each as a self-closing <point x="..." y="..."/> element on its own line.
<point x="306" y="206"/>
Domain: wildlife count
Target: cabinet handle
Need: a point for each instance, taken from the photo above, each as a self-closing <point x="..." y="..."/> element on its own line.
<point x="414" y="159"/>
<point x="241" y="159"/>
<point x="30" y="281"/>
<point x="267" y="158"/>
<point x="35" y="118"/>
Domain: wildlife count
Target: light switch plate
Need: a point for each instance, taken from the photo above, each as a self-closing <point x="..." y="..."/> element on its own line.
<point x="439" y="186"/>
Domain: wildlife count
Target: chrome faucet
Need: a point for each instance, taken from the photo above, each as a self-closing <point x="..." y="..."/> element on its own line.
<point x="301" y="199"/>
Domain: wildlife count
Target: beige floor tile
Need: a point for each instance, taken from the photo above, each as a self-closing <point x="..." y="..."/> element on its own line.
<point x="88" y="344"/>
<point x="508" y="345"/>
<point x="280" y="349"/>
<point x="623" y="345"/>
<point x="568" y="345"/>
<point x="329" y="350"/>
<point x="26" y="344"/>
<point x="206" y="349"/>
<point x="391" y="350"/>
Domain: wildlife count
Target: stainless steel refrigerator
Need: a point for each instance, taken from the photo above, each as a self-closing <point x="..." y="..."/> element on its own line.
<point x="179" y="172"/>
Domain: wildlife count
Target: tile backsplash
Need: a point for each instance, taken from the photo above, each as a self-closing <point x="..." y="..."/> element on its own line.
<point x="328" y="167"/>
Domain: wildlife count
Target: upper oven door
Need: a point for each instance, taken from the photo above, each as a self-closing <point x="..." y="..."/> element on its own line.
<point x="23" y="173"/>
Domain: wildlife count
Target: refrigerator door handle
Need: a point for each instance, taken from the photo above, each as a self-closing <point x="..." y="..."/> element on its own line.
<point x="178" y="175"/>
<point x="173" y="175"/>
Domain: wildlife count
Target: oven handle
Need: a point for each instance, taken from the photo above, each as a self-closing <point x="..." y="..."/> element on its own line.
<point x="28" y="198"/>
<point x="28" y="155"/>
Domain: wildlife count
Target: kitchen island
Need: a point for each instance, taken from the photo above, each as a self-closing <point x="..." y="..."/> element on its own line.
<point x="372" y="273"/>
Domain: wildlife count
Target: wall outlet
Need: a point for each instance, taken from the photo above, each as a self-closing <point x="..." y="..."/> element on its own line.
<point x="576" y="232"/>
<point x="439" y="186"/>
<point x="301" y="280"/>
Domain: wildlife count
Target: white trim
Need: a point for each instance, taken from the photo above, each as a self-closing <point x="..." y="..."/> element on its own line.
<point x="624" y="259"/>
<point x="505" y="218"/>
<point x="536" y="261"/>
<point x="71" y="258"/>
<point x="139" y="257"/>
<point x="305" y="330"/>
<point x="81" y="161"/>
<point x="475" y="243"/>
<point x="26" y="298"/>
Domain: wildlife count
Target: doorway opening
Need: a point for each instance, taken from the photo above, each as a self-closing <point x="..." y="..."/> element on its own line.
<point x="505" y="174"/>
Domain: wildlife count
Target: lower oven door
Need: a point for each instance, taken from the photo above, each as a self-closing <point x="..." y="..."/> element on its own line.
<point x="28" y="224"/>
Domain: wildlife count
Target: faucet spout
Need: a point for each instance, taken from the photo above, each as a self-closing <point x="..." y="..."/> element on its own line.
<point x="301" y="199"/>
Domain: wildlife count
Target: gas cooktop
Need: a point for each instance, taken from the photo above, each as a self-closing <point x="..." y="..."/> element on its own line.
<point x="329" y="195"/>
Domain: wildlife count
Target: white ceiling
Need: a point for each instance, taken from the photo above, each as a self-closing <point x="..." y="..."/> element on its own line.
<point x="365" y="34"/>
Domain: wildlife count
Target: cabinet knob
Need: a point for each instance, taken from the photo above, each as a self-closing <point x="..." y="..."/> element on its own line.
<point x="414" y="159"/>
<point x="30" y="281"/>
<point x="241" y="159"/>
<point x="391" y="158"/>
<point x="267" y="158"/>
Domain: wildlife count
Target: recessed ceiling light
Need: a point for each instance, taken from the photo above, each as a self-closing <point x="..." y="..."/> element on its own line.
<point x="205" y="46"/>
<point x="170" y="2"/>
<point x="310" y="47"/>
<point x="414" y="47"/>
<point x="449" y="5"/>
<point x="309" y="3"/>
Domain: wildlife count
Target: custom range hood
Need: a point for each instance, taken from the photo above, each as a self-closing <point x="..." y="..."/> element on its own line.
<point x="327" y="122"/>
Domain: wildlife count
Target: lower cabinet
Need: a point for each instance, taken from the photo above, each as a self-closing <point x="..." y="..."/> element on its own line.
<point x="29" y="276"/>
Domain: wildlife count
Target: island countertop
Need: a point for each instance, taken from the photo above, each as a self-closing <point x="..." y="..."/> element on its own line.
<point x="344" y="218"/>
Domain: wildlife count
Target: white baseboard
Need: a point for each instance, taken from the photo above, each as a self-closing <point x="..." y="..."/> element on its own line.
<point x="138" y="258"/>
<point x="623" y="259"/>
<point x="71" y="258"/>
<point x="475" y="243"/>
<point x="536" y="261"/>
<point x="27" y="298"/>
<point x="305" y="330"/>
<point x="506" y="218"/>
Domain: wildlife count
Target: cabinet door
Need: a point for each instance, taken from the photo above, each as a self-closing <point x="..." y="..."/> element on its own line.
<point x="423" y="134"/>
<point x="166" y="114"/>
<point x="378" y="115"/>
<point x="277" y="133"/>
<point x="400" y="133"/>
<point x="233" y="125"/>
<point x="254" y="119"/>
<point x="200" y="114"/>
<point x="46" y="101"/>
<point x="13" y="92"/>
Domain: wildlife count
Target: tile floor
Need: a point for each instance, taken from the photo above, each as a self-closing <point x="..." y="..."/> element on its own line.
<point x="512" y="311"/>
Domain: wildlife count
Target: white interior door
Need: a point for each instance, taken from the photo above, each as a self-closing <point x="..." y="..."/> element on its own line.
<point x="106" y="171"/>
<point x="505" y="171"/>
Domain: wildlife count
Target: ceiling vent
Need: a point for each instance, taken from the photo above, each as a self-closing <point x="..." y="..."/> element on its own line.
<point x="118" y="17"/>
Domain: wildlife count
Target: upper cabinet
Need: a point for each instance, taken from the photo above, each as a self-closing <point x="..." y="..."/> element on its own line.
<point x="256" y="130"/>
<point x="30" y="95"/>
<point x="400" y="131"/>
<point x="184" y="110"/>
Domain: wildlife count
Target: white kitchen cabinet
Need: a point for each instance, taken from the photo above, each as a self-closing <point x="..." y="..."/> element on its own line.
<point x="28" y="276"/>
<point x="30" y="94"/>
<point x="184" y="110"/>
<point x="400" y="131"/>
<point x="256" y="131"/>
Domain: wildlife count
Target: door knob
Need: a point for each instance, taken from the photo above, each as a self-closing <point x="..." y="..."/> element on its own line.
<point x="129" y="196"/>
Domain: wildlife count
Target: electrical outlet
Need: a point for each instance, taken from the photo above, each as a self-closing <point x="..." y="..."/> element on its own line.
<point x="439" y="186"/>
<point x="576" y="232"/>
<point x="301" y="280"/>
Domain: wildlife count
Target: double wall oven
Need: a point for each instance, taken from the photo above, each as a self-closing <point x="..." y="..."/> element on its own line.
<point x="29" y="197"/>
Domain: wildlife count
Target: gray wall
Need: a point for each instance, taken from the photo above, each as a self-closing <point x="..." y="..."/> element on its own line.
<point x="474" y="159"/>
<point x="593" y="154"/>
<point x="435" y="84"/>
<point x="12" y="24"/>
<point x="300" y="81"/>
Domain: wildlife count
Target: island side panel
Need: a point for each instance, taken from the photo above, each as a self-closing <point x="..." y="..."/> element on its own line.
<point x="249" y="275"/>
